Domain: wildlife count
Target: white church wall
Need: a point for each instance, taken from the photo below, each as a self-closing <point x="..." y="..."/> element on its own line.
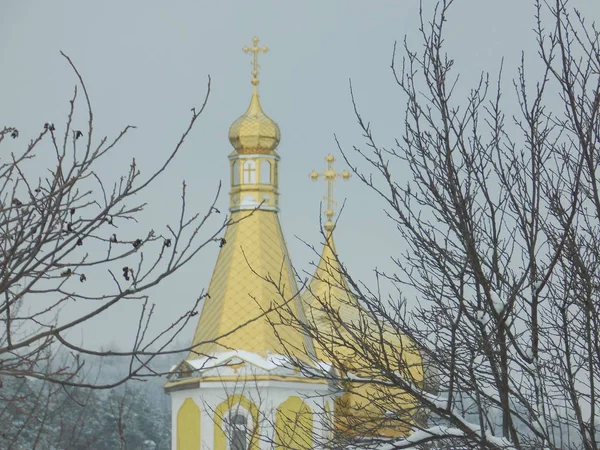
<point x="266" y="395"/>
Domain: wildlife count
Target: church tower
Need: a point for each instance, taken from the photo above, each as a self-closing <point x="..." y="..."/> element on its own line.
<point x="340" y="324"/>
<point x="237" y="388"/>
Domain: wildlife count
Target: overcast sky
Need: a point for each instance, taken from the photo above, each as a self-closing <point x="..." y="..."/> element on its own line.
<point x="146" y="63"/>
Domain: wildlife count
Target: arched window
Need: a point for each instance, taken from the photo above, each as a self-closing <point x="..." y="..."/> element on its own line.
<point x="265" y="172"/>
<point x="235" y="173"/>
<point x="236" y="424"/>
<point x="238" y="437"/>
<point x="249" y="172"/>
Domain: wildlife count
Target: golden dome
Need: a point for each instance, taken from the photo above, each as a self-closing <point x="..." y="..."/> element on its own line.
<point x="254" y="131"/>
<point x="343" y="325"/>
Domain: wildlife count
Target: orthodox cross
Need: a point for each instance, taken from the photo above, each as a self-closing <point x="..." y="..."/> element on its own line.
<point x="330" y="175"/>
<point x="255" y="50"/>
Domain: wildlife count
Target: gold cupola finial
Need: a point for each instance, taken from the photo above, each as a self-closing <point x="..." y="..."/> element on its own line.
<point x="330" y="175"/>
<point x="254" y="132"/>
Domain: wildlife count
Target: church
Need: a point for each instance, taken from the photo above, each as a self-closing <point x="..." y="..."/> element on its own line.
<point x="268" y="366"/>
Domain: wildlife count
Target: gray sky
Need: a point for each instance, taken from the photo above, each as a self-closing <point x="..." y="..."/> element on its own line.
<point x="146" y="63"/>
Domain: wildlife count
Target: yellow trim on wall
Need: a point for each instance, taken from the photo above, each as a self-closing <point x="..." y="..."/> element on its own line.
<point x="294" y="425"/>
<point x="188" y="426"/>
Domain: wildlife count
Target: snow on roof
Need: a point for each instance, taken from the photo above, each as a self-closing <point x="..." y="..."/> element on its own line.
<point x="271" y="362"/>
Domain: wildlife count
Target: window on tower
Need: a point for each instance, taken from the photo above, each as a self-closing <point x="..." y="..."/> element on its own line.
<point x="238" y="438"/>
<point x="235" y="173"/>
<point x="249" y="172"/>
<point x="265" y="172"/>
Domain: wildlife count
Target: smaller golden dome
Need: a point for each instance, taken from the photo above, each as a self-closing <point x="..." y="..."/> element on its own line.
<point x="254" y="131"/>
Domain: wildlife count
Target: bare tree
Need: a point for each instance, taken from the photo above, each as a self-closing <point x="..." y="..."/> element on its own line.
<point x="64" y="240"/>
<point x="498" y="289"/>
